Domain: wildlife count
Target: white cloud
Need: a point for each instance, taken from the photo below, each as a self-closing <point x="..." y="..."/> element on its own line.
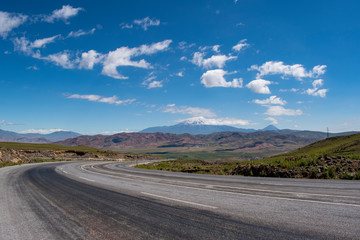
<point x="214" y="61"/>
<point x="296" y="70"/>
<point x="216" y="121"/>
<point x="198" y="58"/>
<point x="154" y="47"/>
<point x="43" y="131"/>
<point x="271" y="100"/>
<point x="318" y="83"/>
<point x="259" y="86"/>
<point x="97" y="98"/>
<point x="215" y="78"/>
<point x="147" y="22"/>
<point x="88" y="59"/>
<point x="184" y="45"/>
<point x="155" y="84"/>
<point x="122" y="57"/>
<point x="126" y="25"/>
<point x="180" y="74"/>
<point x="62" y="59"/>
<point x="318" y="70"/>
<point x="272" y="120"/>
<point x="4" y="123"/>
<point x="241" y="45"/>
<point x="315" y="91"/>
<point x="24" y="45"/>
<point x="64" y="14"/>
<point x="289" y="90"/>
<point x="40" y="43"/>
<point x="215" y="48"/>
<point x="32" y="68"/>
<point x="279" y="111"/>
<point x="192" y="111"/>
<point x="80" y="32"/>
<point x="9" y="21"/>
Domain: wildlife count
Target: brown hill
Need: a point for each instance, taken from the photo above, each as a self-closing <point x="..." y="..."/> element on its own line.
<point x="228" y="141"/>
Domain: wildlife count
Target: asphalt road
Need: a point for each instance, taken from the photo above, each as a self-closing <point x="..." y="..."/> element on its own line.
<point x="92" y="200"/>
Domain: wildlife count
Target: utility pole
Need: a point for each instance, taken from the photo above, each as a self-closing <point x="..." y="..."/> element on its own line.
<point x="327" y="132"/>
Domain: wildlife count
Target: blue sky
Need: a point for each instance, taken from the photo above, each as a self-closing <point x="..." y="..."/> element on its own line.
<point x="110" y="66"/>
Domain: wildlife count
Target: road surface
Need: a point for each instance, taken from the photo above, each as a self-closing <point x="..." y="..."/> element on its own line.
<point x="110" y="200"/>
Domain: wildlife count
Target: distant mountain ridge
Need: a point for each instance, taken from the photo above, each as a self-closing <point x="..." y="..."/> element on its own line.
<point x="9" y="136"/>
<point x="201" y="127"/>
<point x="232" y="140"/>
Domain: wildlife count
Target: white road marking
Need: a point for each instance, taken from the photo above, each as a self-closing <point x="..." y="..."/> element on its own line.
<point x="237" y="188"/>
<point x="87" y="179"/>
<point x="178" y="200"/>
<point x="234" y="193"/>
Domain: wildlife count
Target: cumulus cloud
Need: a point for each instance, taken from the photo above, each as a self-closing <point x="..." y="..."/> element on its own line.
<point x="214" y="61"/>
<point x="122" y="57"/>
<point x="155" y="84"/>
<point x="89" y="59"/>
<point x="80" y="32"/>
<point x="97" y="98"/>
<point x="279" y="111"/>
<point x="9" y="21"/>
<point x="315" y="91"/>
<point x="216" y="48"/>
<point x="147" y="22"/>
<point x="272" y="120"/>
<point x="216" y="121"/>
<point x="64" y="14"/>
<point x="241" y="45"/>
<point x="215" y="78"/>
<point x="192" y="111"/>
<point x="259" y="86"/>
<point x="318" y="70"/>
<point x="271" y="100"/>
<point x="296" y="70"/>
<point x="62" y="59"/>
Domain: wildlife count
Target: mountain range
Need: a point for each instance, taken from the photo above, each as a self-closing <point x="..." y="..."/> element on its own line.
<point x="8" y="136"/>
<point x="201" y="127"/>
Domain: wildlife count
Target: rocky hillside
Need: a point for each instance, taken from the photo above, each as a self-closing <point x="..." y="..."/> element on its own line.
<point x="332" y="158"/>
<point x="15" y="153"/>
<point x="230" y="140"/>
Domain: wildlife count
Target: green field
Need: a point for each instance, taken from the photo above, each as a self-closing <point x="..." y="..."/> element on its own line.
<point x="337" y="157"/>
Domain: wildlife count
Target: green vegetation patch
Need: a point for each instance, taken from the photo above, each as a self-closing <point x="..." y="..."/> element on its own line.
<point x="332" y="158"/>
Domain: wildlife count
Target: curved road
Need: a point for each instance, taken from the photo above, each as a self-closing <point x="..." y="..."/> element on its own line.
<point x="110" y="200"/>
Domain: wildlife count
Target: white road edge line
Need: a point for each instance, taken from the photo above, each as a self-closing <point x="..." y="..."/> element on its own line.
<point x="238" y="188"/>
<point x="243" y="194"/>
<point x="177" y="200"/>
<point x="87" y="179"/>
